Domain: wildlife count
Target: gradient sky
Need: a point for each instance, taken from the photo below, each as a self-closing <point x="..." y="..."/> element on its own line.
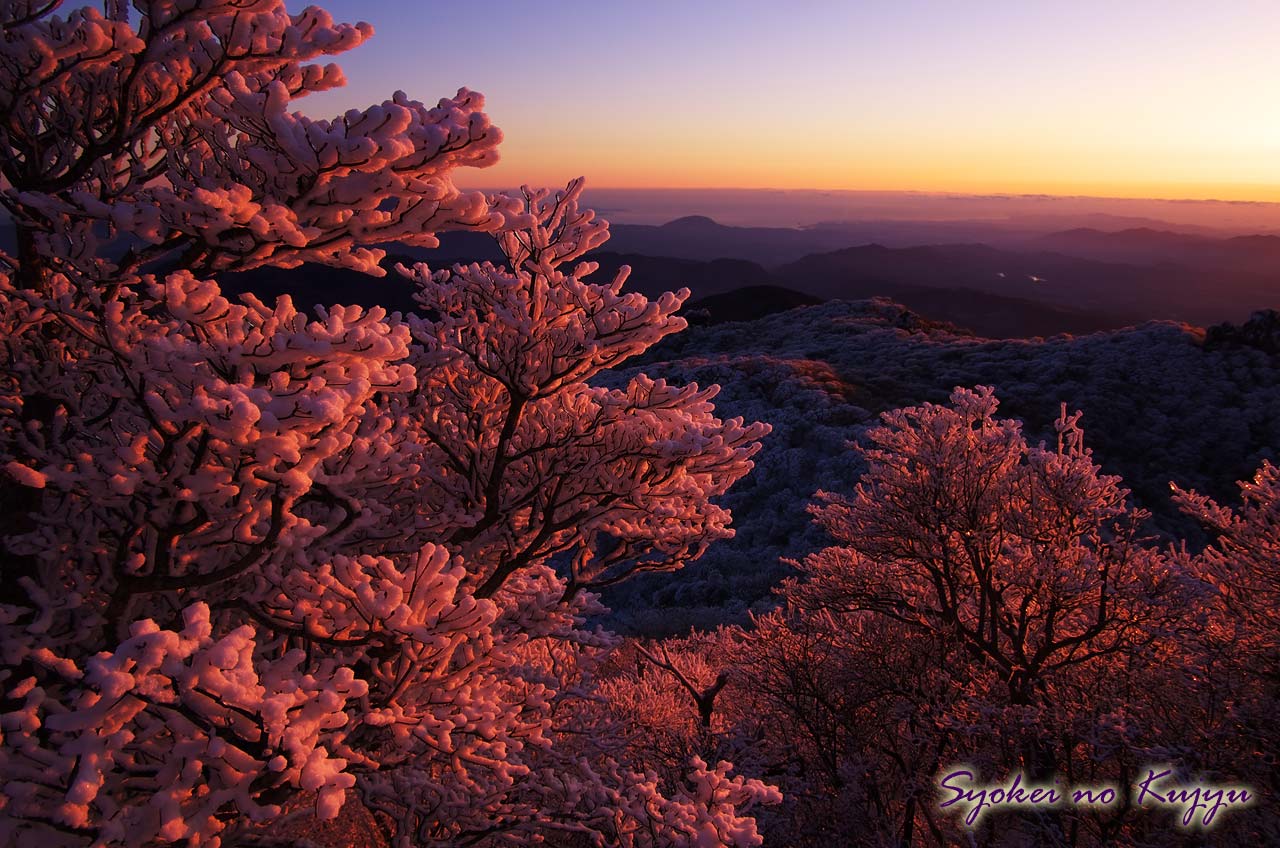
<point x="1113" y="98"/>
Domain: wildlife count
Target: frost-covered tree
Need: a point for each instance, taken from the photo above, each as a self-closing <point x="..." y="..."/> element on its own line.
<point x="1243" y="563"/>
<point x="526" y="457"/>
<point x="1025" y="555"/>
<point x="987" y="601"/>
<point x="1240" y="636"/>
<point x="256" y="557"/>
<point x="169" y="124"/>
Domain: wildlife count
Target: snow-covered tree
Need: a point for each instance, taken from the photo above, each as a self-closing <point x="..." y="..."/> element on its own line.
<point x="1243" y="563"/>
<point x="526" y="457"/>
<point x="987" y="601"/>
<point x="255" y="555"/>
<point x="169" y="124"/>
<point x="1025" y="555"/>
<point x="1240" y="636"/>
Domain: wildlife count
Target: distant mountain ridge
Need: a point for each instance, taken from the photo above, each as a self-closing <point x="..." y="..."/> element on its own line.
<point x="1115" y="293"/>
<point x="994" y="292"/>
<point x="996" y="281"/>
<point x="701" y="238"/>
<point x="1251" y="253"/>
<point x="1140" y="240"/>
<point x="722" y="290"/>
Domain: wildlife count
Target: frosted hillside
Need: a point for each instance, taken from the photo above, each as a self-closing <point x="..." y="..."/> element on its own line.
<point x="1159" y="404"/>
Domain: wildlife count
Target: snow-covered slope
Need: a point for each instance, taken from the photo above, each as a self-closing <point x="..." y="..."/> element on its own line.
<point x="1159" y="404"/>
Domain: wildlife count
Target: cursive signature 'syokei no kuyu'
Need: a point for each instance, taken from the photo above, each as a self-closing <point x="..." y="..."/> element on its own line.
<point x="1196" y="803"/>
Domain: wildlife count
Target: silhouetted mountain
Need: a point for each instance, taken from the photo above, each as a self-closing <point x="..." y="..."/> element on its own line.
<point x="1013" y="285"/>
<point x="746" y="304"/>
<point x="1104" y="222"/>
<point x="651" y="273"/>
<point x="948" y="284"/>
<point x="309" y="285"/>
<point x="1258" y="254"/>
<point x="1037" y="213"/>
<point x="994" y="316"/>
<point x="654" y="275"/>
<point x="736" y="290"/>
<point x="1114" y="293"/>
<point x="694" y="222"/>
<point x="699" y="237"/>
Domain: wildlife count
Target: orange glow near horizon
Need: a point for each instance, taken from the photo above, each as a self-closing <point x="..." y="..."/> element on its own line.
<point x="973" y="172"/>
<point x="520" y="166"/>
<point x="1162" y="100"/>
<point x="1204" y="145"/>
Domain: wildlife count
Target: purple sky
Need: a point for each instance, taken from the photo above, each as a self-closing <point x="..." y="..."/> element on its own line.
<point x="1172" y="99"/>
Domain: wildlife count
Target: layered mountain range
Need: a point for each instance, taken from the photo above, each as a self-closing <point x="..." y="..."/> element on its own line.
<point x="1038" y="284"/>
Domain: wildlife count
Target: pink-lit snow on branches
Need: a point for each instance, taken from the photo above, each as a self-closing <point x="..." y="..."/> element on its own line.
<point x="1025" y="554"/>
<point x="178" y="134"/>
<point x="527" y="459"/>
<point x="254" y="552"/>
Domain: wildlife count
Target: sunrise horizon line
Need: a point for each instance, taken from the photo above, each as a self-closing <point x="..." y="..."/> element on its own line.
<point x="993" y="193"/>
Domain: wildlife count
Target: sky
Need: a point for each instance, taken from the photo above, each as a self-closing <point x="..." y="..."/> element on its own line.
<point x="1141" y="99"/>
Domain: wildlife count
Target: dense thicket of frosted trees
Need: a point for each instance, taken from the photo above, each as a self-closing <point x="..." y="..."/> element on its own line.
<point x="264" y="566"/>
<point x="990" y="602"/>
